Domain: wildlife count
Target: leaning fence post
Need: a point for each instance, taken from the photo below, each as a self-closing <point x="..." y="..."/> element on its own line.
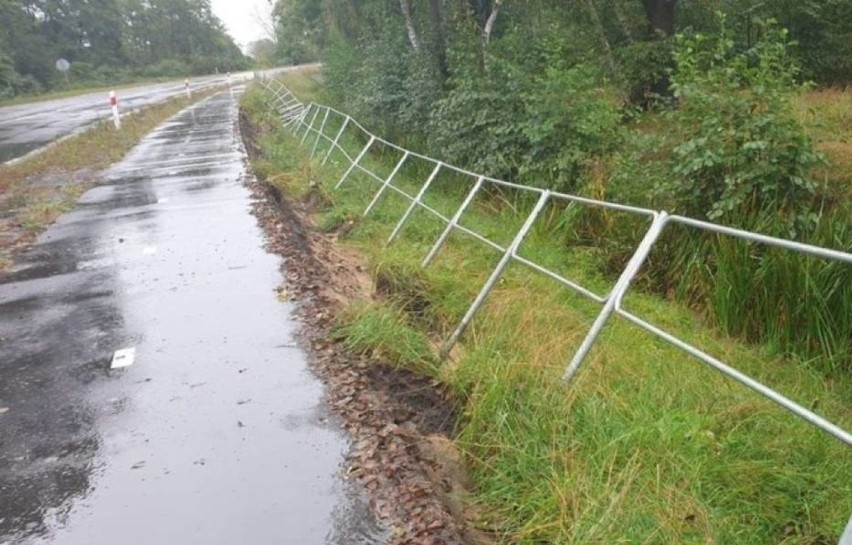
<point x="356" y="161"/>
<point x="453" y="222"/>
<point x="280" y="99"/>
<point x="311" y="108"/>
<point x="621" y="285"/>
<point x="414" y="203"/>
<point x="386" y="183"/>
<point x="287" y="114"/>
<point x="299" y="121"/>
<point x="319" y="134"/>
<point x="336" y="139"/>
<point x="310" y="126"/>
<point x="495" y="275"/>
<point x="286" y="104"/>
<point x="296" y="119"/>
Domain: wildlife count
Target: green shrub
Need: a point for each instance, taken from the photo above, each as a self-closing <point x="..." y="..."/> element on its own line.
<point x="734" y="153"/>
<point x="477" y="123"/>
<point x="543" y="132"/>
<point x="740" y="150"/>
<point x="568" y="122"/>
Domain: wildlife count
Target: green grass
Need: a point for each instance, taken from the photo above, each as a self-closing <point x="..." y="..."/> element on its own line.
<point x="305" y="83"/>
<point x="647" y="446"/>
<point x="382" y="331"/>
<point x="40" y="211"/>
<point x="798" y="305"/>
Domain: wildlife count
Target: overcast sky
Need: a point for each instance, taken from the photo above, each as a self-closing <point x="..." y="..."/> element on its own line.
<point x="241" y="18"/>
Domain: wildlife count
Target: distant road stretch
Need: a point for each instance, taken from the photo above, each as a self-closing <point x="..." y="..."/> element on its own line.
<point x="28" y="127"/>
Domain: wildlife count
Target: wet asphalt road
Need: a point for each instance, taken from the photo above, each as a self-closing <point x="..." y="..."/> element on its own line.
<point x="27" y="127"/>
<point x="216" y="433"/>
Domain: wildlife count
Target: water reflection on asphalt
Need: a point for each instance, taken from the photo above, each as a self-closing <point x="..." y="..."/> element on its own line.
<point x="217" y="432"/>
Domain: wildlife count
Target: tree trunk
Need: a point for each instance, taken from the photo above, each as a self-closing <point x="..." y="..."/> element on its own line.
<point x="486" y="29"/>
<point x="601" y="32"/>
<point x="440" y="40"/>
<point x="489" y="23"/>
<point x="622" y="21"/>
<point x="413" y="38"/>
<point x="661" y="15"/>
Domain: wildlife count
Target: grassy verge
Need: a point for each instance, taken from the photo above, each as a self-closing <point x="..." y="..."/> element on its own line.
<point x="33" y="193"/>
<point x="306" y="83"/>
<point x="648" y="446"/>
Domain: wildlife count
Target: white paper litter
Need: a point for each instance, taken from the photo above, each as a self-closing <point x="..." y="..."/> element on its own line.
<point x="123" y="358"/>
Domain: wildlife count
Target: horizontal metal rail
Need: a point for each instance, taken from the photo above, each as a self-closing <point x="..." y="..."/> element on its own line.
<point x="611" y="302"/>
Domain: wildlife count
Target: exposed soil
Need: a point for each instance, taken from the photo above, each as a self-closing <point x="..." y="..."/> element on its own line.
<point x="399" y="422"/>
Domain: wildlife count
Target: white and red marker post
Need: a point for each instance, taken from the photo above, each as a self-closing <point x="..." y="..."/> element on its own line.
<point x="113" y="103"/>
<point x="187" y="88"/>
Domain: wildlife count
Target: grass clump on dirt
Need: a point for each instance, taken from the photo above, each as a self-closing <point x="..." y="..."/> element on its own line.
<point x="382" y="331"/>
<point x="36" y="191"/>
<point x="647" y="445"/>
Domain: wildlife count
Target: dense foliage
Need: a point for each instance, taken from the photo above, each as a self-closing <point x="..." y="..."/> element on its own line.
<point x="683" y="106"/>
<point x="107" y="41"/>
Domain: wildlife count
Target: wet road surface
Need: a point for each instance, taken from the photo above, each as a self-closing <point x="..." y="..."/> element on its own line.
<point x="27" y="127"/>
<point x="216" y="433"/>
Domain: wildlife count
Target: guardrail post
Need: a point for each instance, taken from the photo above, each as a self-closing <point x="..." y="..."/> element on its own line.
<point x="279" y="100"/>
<point x="846" y="538"/>
<point x="495" y="275"/>
<point x="355" y="162"/>
<point x="286" y="104"/>
<point x="415" y="202"/>
<point x="288" y="113"/>
<point x="453" y="222"/>
<point x="301" y="119"/>
<point x="312" y="108"/>
<point x="386" y="183"/>
<point x="289" y="105"/>
<point x="336" y="139"/>
<point x="617" y="293"/>
<point x="319" y="134"/>
<point x="296" y="119"/>
<point x="310" y="126"/>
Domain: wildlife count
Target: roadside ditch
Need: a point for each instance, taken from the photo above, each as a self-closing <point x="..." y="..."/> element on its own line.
<point x="401" y="424"/>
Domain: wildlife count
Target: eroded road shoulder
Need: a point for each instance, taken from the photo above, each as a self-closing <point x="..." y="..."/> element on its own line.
<point x="215" y="433"/>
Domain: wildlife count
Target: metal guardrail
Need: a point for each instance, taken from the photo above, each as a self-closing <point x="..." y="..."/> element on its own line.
<point x="306" y="121"/>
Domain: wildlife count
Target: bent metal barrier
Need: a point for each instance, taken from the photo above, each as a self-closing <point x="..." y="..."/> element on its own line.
<point x="310" y="122"/>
